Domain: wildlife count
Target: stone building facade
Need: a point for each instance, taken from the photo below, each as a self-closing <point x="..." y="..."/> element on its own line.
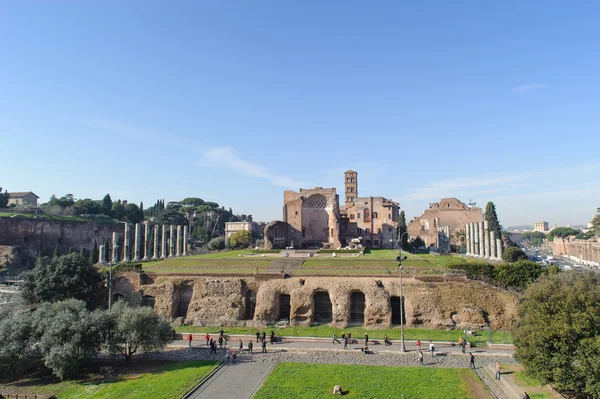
<point x="448" y="212"/>
<point x="541" y="226"/>
<point x="586" y="252"/>
<point x="256" y="228"/>
<point x="336" y="301"/>
<point x="23" y="198"/>
<point x="372" y="219"/>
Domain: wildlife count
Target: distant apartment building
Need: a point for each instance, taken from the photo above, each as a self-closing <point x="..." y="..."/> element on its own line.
<point x="252" y="227"/>
<point x="23" y="198"/>
<point x="541" y="226"/>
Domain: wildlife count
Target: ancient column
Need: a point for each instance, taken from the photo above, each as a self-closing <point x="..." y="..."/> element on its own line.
<point x="185" y="232"/>
<point x="136" y="243"/>
<point x="115" y="248"/>
<point x="472" y="238"/>
<point x="171" y="242"/>
<point x="155" y="256"/>
<point x="493" y="245"/>
<point x="146" y="241"/>
<point x="163" y="241"/>
<point x="178" y="251"/>
<point x="126" y="257"/>
<point x="468" y="238"/>
<point x="476" y="238"/>
<point x="481" y="239"/>
<point x="499" y="247"/>
<point x="486" y="239"/>
<point x="102" y="254"/>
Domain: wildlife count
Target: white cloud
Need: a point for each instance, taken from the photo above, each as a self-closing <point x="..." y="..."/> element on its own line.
<point x="522" y="89"/>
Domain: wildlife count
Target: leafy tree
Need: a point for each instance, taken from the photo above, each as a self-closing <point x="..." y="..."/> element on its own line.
<point x="106" y="205"/>
<point x="67" y="276"/>
<point x="15" y="342"/>
<point x="558" y="333"/>
<point x="240" y="239"/>
<point x="133" y="214"/>
<point x="401" y="230"/>
<point x="563" y="232"/>
<point x="135" y="328"/>
<point x="513" y="254"/>
<point x="87" y="206"/>
<point x="417" y="242"/>
<point x="517" y="275"/>
<point x="118" y="210"/>
<point x="94" y="255"/>
<point x="171" y="215"/>
<point x="596" y="222"/>
<point x="535" y="238"/>
<point x="216" y="243"/>
<point x="492" y="219"/>
<point x="3" y="198"/>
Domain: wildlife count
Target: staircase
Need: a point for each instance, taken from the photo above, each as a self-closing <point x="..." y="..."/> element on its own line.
<point x="287" y="265"/>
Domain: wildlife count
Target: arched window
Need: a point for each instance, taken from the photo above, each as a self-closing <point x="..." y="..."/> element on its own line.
<point x="367" y="216"/>
<point x="250" y="304"/>
<point x="357" y="307"/>
<point x="322" y="307"/>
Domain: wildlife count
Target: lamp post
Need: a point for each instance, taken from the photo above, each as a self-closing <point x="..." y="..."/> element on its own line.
<point x="109" y="285"/>
<point x="400" y="259"/>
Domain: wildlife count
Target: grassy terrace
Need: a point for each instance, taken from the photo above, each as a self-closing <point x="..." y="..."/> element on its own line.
<point x="312" y="381"/>
<point x="324" y="331"/>
<point x="49" y="217"/>
<point x="148" y="380"/>
<point x="208" y="265"/>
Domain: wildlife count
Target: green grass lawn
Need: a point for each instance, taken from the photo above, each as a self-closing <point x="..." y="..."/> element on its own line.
<point x="207" y="265"/>
<point x="165" y="380"/>
<point x="312" y="381"/>
<point x="410" y="334"/>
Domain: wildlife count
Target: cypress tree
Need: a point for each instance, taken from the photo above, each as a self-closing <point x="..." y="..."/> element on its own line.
<point x="401" y="230"/>
<point x="94" y="256"/>
<point x="56" y="253"/>
<point x="492" y="218"/>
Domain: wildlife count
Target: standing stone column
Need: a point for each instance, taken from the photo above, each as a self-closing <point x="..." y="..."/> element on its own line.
<point x="136" y="243"/>
<point x="499" y="247"/>
<point x="468" y="238"/>
<point x="486" y="239"/>
<point x="126" y="257"/>
<point x="102" y="254"/>
<point x="171" y="241"/>
<point x="146" y="241"/>
<point x="481" y="239"/>
<point x="163" y="247"/>
<point x="493" y="245"/>
<point x="476" y="238"/>
<point x="178" y="252"/>
<point x="185" y="233"/>
<point x="155" y="256"/>
<point x="115" y="248"/>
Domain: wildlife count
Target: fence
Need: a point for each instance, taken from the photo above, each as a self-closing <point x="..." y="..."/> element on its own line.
<point x="10" y="279"/>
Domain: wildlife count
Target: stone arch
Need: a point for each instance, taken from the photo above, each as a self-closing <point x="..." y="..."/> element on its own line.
<point x="250" y="302"/>
<point x="284" y="306"/>
<point x="322" y="307"/>
<point x="398" y="310"/>
<point x="185" y="296"/>
<point x="148" y="300"/>
<point x="357" y="307"/>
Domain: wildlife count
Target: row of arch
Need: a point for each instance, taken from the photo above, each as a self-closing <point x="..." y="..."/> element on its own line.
<point x="323" y="312"/>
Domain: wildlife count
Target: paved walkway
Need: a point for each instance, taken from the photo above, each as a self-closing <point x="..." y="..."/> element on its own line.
<point x="240" y="380"/>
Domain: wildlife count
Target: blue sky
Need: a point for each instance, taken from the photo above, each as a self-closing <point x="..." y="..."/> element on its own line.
<point x="236" y="101"/>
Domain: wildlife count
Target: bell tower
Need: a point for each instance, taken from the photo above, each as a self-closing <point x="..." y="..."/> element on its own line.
<point x="350" y="186"/>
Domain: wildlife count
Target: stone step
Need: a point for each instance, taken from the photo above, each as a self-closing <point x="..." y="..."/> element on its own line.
<point x="287" y="265"/>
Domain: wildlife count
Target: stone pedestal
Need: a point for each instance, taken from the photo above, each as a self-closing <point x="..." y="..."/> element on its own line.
<point x="493" y="254"/>
<point x="178" y="251"/>
<point x="163" y="241"/>
<point x="499" y="248"/>
<point x="185" y="230"/>
<point x="115" y="249"/>
<point x="136" y="243"/>
<point x="146" y="241"/>
<point x="171" y="241"/>
<point x="155" y="256"/>
<point x="486" y="239"/>
<point x="126" y="257"/>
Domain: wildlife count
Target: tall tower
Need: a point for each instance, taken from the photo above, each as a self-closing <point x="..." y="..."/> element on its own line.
<point x="350" y="186"/>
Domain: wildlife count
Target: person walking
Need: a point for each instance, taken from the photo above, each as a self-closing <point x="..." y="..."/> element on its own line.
<point x="264" y="345"/>
<point x="345" y="343"/>
<point x="189" y="338"/>
<point x="257" y="336"/>
<point x="213" y="346"/>
<point x="250" y="345"/>
<point x="432" y="349"/>
<point x="464" y="346"/>
<point x="420" y="356"/>
<point x="264" y="336"/>
<point x="386" y="340"/>
<point x="472" y="363"/>
<point x="233" y="357"/>
<point x="220" y="341"/>
<point x="207" y="339"/>
<point x="227" y="355"/>
<point x="333" y="338"/>
<point x="498" y="370"/>
<point x="366" y="339"/>
<point x="349" y="335"/>
<point x="418" y="345"/>
<point x="241" y="346"/>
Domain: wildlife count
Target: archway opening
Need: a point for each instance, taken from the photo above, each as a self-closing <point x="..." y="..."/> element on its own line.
<point x="323" y="313"/>
<point x="357" y="307"/>
<point x="250" y="304"/>
<point x="185" y="297"/>
<point x="284" y="307"/>
<point x="148" y="300"/>
<point x="398" y="310"/>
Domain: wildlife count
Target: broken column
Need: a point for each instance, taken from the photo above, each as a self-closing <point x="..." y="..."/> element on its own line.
<point x="146" y="241"/>
<point x="163" y="241"/>
<point x="178" y="251"/>
<point x="185" y="230"/>
<point x="136" y="243"/>
<point x="102" y="254"/>
<point x="468" y="238"/>
<point x="486" y="239"/>
<point x="493" y="245"/>
<point x="499" y="247"/>
<point x="481" y="239"/>
<point x="171" y="241"/>
<point x="476" y="240"/>
<point x="126" y="257"/>
<point x="115" y="248"/>
<point x="155" y="256"/>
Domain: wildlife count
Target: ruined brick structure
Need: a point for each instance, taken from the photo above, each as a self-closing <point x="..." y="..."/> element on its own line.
<point x="448" y="212"/>
<point x="583" y="251"/>
<point x="314" y="218"/>
<point x="337" y="301"/>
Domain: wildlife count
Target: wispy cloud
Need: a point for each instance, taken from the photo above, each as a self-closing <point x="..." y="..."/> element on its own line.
<point x="522" y="89"/>
<point x="227" y="157"/>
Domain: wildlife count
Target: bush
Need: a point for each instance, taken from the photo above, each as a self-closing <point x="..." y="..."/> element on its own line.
<point x="266" y="251"/>
<point x="513" y="254"/>
<point x="216" y="243"/>
<point x="477" y="271"/>
<point x="240" y="239"/>
<point x="518" y="275"/>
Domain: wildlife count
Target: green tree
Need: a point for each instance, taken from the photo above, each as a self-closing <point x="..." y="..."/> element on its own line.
<point x="535" y="238"/>
<point x="517" y="275"/>
<point x="15" y="340"/>
<point x="68" y="276"/>
<point x="3" y="198"/>
<point x="596" y="222"/>
<point x="563" y="232"/>
<point x="135" y="328"/>
<point x="133" y="214"/>
<point x="118" y="210"/>
<point x="401" y="230"/>
<point x="417" y="242"/>
<point x="240" y="239"/>
<point x="94" y="255"/>
<point x="558" y="332"/>
<point x="106" y="205"/>
<point x="216" y="243"/>
<point x="513" y="254"/>
<point x="492" y="218"/>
